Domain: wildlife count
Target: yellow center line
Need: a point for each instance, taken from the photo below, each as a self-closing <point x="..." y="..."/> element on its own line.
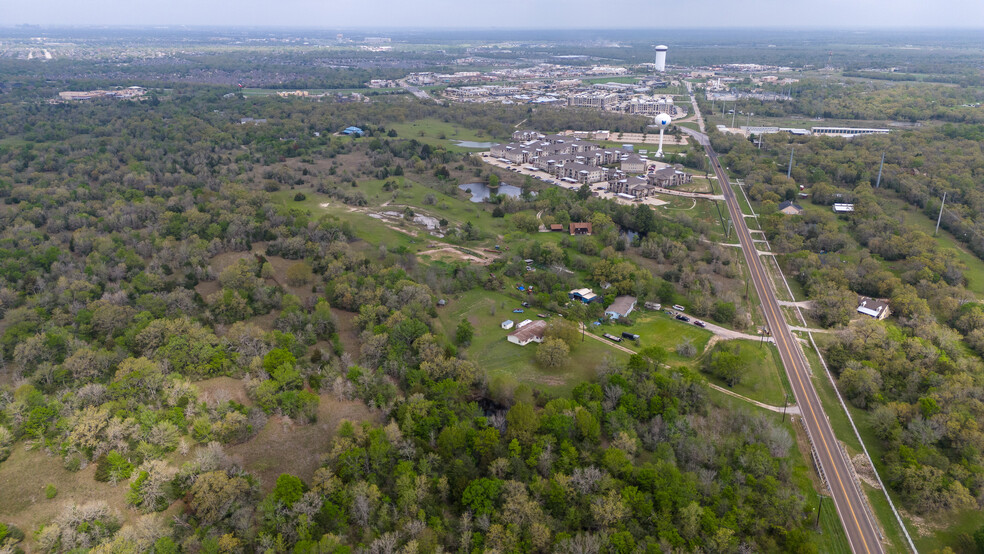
<point x="759" y="278"/>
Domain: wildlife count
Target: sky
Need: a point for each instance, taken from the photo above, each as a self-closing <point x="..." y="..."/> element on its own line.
<point x="485" y="14"/>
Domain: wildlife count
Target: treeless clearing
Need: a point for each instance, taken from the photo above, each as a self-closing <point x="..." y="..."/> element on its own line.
<point x="286" y="447"/>
<point x="347" y="332"/>
<point x="453" y="254"/>
<point x="221" y="389"/>
<point x="23" y="478"/>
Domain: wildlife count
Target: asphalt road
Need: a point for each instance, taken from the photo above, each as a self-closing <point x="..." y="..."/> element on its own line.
<point x="862" y="533"/>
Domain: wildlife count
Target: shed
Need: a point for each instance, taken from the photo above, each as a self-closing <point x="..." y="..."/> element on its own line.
<point x="507" y="324"/>
<point x="580" y="228"/>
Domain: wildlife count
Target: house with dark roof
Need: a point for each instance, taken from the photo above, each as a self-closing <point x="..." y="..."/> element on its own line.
<point x="580" y="228"/>
<point x="790" y="208"/>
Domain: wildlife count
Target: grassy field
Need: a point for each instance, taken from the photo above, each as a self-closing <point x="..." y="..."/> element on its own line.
<point x="764" y="380"/>
<point x="396" y="232"/>
<point x="657" y="329"/>
<point x="441" y="133"/>
<point x="500" y="359"/>
<point x="913" y="218"/>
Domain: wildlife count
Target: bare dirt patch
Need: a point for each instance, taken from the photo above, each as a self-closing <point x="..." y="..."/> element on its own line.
<point x="286" y="447"/>
<point x="23" y="478"/>
<point x="453" y="254"/>
<point x="864" y="470"/>
<point x="348" y="334"/>
<point x="222" y="389"/>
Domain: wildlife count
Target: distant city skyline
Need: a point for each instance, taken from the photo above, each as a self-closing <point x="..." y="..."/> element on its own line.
<point x="505" y="14"/>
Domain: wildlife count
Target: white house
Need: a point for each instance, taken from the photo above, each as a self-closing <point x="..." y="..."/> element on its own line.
<point x="873" y="308"/>
<point x="532" y="332"/>
<point x="621" y="307"/>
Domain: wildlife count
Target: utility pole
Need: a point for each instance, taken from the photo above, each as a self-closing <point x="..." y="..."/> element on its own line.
<point x="878" y="182"/>
<point x="940" y="218"/>
<point x="789" y="170"/>
<point x="734" y="113"/>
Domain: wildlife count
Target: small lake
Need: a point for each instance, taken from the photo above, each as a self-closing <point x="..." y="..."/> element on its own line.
<point x="480" y="192"/>
<point x="472" y="144"/>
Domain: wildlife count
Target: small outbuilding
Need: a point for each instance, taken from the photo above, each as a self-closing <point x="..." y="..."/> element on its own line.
<point x="580" y="228"/>
<point x="557" y="227"/>
<point x="507" y="324"/>
<point x="584" y="295"/>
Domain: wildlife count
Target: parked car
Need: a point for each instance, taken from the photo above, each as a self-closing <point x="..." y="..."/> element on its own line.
<point x="612" y="338"/>
<point x="526" y="304"/>
<point x="518" y="311"/>
<point x="683" y="318"/>
<point x="679" y="308"/>
<point x="699" y="323"/>
<point x="630" y="336"/>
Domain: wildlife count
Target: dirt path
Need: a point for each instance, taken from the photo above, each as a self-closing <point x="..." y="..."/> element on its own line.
<point x="791" y="410"/>
<point x="606" y="341"/>
<point x="455" y="253"/>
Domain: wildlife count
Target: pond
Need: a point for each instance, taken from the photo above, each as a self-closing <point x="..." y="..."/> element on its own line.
<point x="480" y="192"/>
<point x="472" y="144"/>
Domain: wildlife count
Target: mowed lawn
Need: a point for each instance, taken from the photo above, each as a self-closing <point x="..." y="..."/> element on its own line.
<point x="441" y="133"/>
<point x="499" y="358"/>
<point x="657" y="329"/>
<point x="764" y="379"/>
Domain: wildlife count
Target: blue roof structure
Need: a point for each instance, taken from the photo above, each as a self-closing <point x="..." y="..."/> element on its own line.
<point x="353" y="131"/>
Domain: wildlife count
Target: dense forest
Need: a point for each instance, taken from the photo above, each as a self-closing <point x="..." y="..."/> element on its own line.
<point x="111" y="214"/>
<point x="921" y="377"/>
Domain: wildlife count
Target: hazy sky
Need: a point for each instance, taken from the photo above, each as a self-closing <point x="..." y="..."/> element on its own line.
<point x="540" y="14"/>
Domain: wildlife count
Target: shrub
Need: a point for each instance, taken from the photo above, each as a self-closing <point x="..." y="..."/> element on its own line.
<point x="299" y="197"/>
<point x="50" y="491"/>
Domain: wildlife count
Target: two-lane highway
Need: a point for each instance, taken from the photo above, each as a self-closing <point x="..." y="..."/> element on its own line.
<point x="861" y="530"/>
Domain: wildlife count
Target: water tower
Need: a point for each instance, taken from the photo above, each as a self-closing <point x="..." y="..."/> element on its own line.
<point x="662" y="121"/>
<point x="661" y="58"/>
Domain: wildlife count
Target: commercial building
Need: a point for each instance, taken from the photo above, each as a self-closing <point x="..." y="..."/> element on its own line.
<point x="526" y="334"/>
<point x="633" y="163"/>
<point x="670" y="177"/>
<point x="621" y="307"/>
<point x="847" y="132"/>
